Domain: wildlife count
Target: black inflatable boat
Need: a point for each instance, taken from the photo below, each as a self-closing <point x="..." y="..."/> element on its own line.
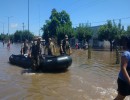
<point x="61" y="62"/>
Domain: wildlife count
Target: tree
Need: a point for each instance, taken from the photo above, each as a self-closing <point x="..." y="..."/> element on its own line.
<point x="128" y="31"/>
<point x="20" y="36"/>
<point x="110" y="32"/>
<point x="120" y="33"/>
<point x="83" y="32"/>
<point x="11" y="37"/>
<point x="57" y="21"/>
<point x="4" y="37"/>
<point x="64" y="30"/>
<point x="125" y="35"/>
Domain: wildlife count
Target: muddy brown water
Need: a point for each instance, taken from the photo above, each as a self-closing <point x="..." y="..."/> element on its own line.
<point x="86" y="79"/>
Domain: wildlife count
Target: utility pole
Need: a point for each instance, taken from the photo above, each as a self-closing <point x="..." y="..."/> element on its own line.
<point x="28" y="18"/>
<point x="23" y="31"/>
<point x="3" y="26"/>
<point x="39" y="21"/>
<point x="23" y="27"/>
<point x="8" y="23"/>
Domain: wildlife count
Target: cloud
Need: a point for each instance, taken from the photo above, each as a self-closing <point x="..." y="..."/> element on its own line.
<point x="14" y="25"/>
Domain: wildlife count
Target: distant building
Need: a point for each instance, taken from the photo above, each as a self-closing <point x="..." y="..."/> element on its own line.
<point x="94" y="40"/>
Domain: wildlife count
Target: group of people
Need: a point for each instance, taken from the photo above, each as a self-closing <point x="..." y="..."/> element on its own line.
<point x="39" y="47"/>
<point x="8" y="43"/>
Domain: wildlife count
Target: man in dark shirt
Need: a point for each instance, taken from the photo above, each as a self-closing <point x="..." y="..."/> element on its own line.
<point x="35" y="53"/>
<point x="24" y="48"/>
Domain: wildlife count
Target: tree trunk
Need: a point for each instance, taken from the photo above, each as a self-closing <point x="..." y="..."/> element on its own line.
<point x="111" y="46"/>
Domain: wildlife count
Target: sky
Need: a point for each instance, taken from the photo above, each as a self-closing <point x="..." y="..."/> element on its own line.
<point x="95" y="12"/>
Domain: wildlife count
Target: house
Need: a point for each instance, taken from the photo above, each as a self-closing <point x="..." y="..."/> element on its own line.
<point x="95" y="43"/>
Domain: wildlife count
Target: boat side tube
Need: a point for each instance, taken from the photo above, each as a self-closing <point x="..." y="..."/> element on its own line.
<point x="56" y="62"/>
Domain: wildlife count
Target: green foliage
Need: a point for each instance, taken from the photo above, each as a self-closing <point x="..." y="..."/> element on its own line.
<point x="11" y="37"/>
<point x="6" y="37"/>
<point x="83" y="32"/>
<point x="58" y="24"/>
<point x="20" y="36"/>
<point x="120" y="32"/>
<point x="128" y="31"/>
<point x="2" y="36"/>
<point x="111" y="32"/>
<point x="125" y="36"/>
<point x="108" y="31"/>
<point x="62" y="31"/>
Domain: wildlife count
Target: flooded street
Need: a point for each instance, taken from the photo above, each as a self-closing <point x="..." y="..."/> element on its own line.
<point x="86" y="79"/>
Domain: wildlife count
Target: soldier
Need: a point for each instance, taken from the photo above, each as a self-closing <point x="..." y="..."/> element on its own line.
<point x="65" y="46"/>
<point x="24" y="48"/>
<point x="35" y="53"/>
<point x="50" y="47"/>
<point x="43" y="45"/>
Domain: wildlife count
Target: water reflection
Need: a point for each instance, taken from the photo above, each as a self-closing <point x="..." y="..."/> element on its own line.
<point x="86" y="79"/>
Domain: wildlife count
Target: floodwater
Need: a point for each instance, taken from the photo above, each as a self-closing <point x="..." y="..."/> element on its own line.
<point x="86" y="79"/>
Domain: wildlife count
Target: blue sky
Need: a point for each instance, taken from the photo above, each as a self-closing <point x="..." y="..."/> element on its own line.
<point x="96" y="12"/>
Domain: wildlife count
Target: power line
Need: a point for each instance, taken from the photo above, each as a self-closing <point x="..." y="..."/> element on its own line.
<point x="123" y="18"/>
<point x="93" y="3"/>
<point x="113" y="19"/>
